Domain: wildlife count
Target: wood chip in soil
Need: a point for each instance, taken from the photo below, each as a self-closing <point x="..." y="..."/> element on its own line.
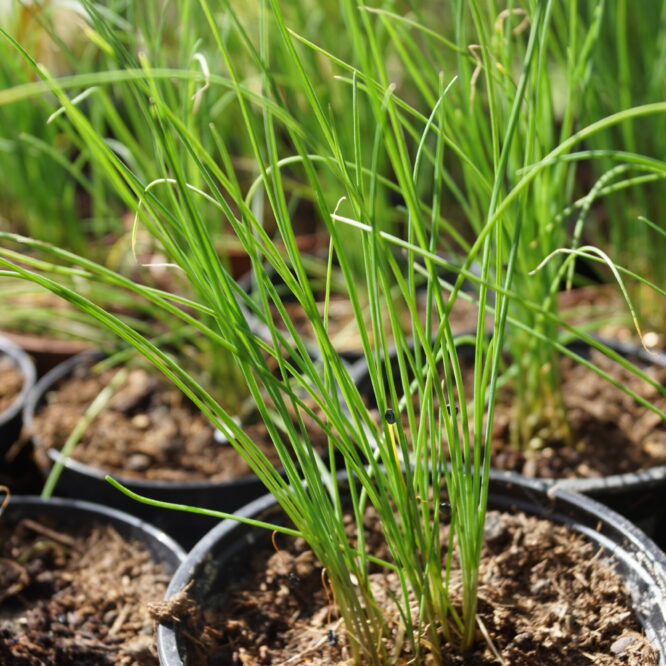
<point x="11" y="382"/>
<point x="76" y="599"/>
<point x="546" y="597"/>
<point x="149" y="430"/>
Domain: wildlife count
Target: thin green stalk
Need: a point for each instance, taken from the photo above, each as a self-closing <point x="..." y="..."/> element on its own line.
<point x="91" y="413"/>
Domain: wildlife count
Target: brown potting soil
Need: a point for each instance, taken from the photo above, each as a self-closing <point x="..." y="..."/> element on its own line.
<point x="151" y="430"/>
<point x="81" y="598"/>
<point x="611" y="433"/>
<point x="11" y="382"/>
<point x="602" y="303"/>
<point x="546" y="596"/>
<point x="148" y="430"/>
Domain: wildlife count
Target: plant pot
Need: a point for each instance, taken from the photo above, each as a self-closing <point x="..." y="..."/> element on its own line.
<point x="636" y="495"/>
<point x="74" y="513"/>
<point x="221" y="558"/>
<point x="11" y="418"/>
<point x="46" y="351"/>
<point x="640" y="495"/>
<point x="68" y="516"/>
<point x="86" y="482"/>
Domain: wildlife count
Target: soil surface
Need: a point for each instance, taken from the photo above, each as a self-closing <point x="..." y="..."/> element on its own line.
<point x="149" y="430"/>
<point x="546" y="596"/>
<point x="11" y="382"/>
<point x="604" y="304"/>
<point x="81" y="599"/>
<point x="610" y="432"/>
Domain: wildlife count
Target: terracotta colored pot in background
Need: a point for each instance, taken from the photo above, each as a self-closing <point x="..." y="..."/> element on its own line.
<point x="46" y="352"/>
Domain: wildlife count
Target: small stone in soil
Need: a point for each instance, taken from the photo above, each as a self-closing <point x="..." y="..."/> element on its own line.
<point x="138" y="462"/>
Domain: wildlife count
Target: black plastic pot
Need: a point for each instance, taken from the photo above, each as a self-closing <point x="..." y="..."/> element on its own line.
<point x="639" y="496"/>
<point x="10" y="419"/>
<point x="72" y="514"/>
<point x="221" y="558"/>
<point x="86" y="482"/>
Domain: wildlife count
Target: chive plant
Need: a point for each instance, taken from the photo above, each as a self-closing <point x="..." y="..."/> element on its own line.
<point x="555" y="95"/>
<point x="630" y="182"/>
<point x="50" y="189"/>
<point x="401" y="467"/>
<point x="548" y="99"/>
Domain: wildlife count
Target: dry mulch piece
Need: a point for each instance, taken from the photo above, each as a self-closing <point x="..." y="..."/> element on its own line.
<point x="148" y="430"/>
<point x="546" y="596"/>
<point x="11" y="382"/>
<point x="81" y="599"/>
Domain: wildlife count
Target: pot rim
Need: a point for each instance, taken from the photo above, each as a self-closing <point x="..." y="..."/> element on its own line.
<point x="561" y="505"/>
<point x="27" y="368"/>
<point x="94" y="509"/>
